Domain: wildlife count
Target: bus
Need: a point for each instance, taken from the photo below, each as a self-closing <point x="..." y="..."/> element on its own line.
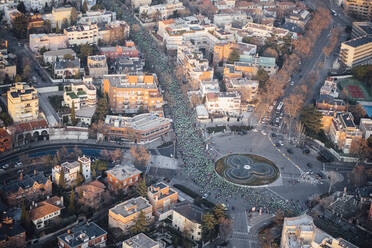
<point x="279" y="108"/>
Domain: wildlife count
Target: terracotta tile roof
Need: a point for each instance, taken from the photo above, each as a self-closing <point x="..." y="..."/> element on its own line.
<point x="29" y="126"/>
<point x="44" y="209"/>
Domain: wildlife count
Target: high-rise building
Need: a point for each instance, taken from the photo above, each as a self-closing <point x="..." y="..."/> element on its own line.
<point x="359" y="8"/>
<point x="23" y="103"/>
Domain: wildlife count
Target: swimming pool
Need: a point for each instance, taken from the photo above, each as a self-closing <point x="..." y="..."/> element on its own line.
<point x="368" y="110"/>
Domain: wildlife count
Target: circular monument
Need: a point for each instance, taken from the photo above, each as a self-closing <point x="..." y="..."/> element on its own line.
<point x="247" y="169"/>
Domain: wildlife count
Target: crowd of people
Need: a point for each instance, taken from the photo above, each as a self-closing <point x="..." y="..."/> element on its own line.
<point x="199" y="166"/>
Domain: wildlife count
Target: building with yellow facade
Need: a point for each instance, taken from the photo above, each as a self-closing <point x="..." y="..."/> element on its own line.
<point x="125" y="214"/>
<point x="222" y="51"/>
<point x="162" y="198"/>
<point x="133" y="93"/>
<point x="359" y="8"/>
<point x="356" y="51"/>
<point x="60" y="14"/>
<point x="23" y="103"/>
<point x="82" y="94"/>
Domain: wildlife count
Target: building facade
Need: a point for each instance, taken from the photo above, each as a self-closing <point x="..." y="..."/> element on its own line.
<point x="129" y="93"/>
<point x="71" y="171"/>
<point x="47" y="41"/>
<point x="122" y="177"/>
<point x="52" y="56"/>
<point x="97" y="66"/>
<point x="223" y="103"/>
<point x="92" y="194"/>
<point x="359" y="8"/>
<point x="82" y="34"/>
<point x="187" y="218"/>
<point x="125" y="214"/>
<point x="162" y="198"/>
<point x="357" y="51"/>
<point x="42" y="213"/>
<point x="81" y="94"/>
<point x="23" y="103"/>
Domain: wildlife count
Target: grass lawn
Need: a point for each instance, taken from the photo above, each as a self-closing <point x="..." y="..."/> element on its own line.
<point x="354" y="82"/>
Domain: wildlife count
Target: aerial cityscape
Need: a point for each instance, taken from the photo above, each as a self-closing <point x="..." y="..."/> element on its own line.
<point x="186" y="123"/>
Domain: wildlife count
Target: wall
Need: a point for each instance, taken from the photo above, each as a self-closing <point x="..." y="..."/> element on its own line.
<point x="68" y="133"/>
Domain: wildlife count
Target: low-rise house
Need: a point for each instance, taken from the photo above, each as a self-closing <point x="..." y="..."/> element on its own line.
<point x="122" y="177"/>
<point x="125" y="214"/>
<point x="137" y="3"/>
<point x="209" y="86"/>
<point x="365" y="126"/>
<point x="162" y="198"/>
<point x="114" y="32"/>
<point x="82" y="94"/>
<point x="82" y="34"/>
<point x="222" y="51"/>
<point x="223" y="103"/>
<point x="298" y="17"/>
<point x="42" y="213"/>
<point x="52" y="56"/>
<point x="26" y="132"/>
<point x="329" y="88"/>
<point x="31" y="187"/>
<point x="247" y="88"/>
<point x="162" y="11"/>
<point x="71" y="171"/>
<point x="125" y="64"/>
<point x="84" y="115"/>
<point x="97" y="66"/>
<point x="91" y="194"/>
<point x="187" y="218"/>
<point x="67" y="69"/>
<point x="117" y="51"/>
<point x="141" y="241"/>
<point x="85" y="235"/>
<point x="47" y="41"/>
<point x="96" y="17"/>
<point x="140" y="129"/>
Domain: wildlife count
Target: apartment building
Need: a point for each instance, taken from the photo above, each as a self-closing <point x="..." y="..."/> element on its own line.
<point x="7" y="66"/>
<point x="124" y="64"/>
<point x="221" y="52"/>
<point x="329" y="103"/>
<point x="162" y="198"/>
<point x="301" y="231"/>
<point x="343" y="131"/>
<point x="118" y="51"/>
<point x="223" y="19"/>
<point x="84" y="235"/>
<point x="141" y="241"/>
<point x="67" y="69"/>
<point x="140" y="129"/>
<point x="71" y="171"/>
<point x="187" y="218"/>
<point x="47" y="41"/>
<point x="138" y="3"/>
<point x="122" y="177"/>
<point x="97" y="66"/>
<point x="359" y="8"/>
<point x="299" y="18"/>
<point x="36" y="4"/>
<point x="42" y="213"/>
<point x="29" y="187"/>
<point x="329" y="88"/>
<point x="210" y="86"/>
<point x="96" y="17"/>
<point x="356" y="51"/>
<point x="82" y="94"/>
<point x="125" y="214"/>
<point x="114" y="32"/>
<point x="247" y="88"/>
<point x="163" y="10"/>
<point x="361" y="29"/>
<point x="129" y="93"/>
<point x="223" y="103"/>
<point x="23" y="103"/>
<point x="82" y="34"/>
<point x="52" y="56"/>
<point x="263" y="31"/>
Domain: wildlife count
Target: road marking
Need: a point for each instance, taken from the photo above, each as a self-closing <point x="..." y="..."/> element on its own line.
<point x="276" y="193"/>
<point x="246" y="219"/>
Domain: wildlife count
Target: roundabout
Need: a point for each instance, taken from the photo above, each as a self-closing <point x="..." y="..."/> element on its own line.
<point x="247" y="170"/>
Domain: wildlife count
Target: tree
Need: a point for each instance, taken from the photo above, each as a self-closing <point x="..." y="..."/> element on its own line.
<point x="73" y="115"/>
<point x="249" y="40"/>
<point x="142" y="188"/>
<point x="84" y="8"/>
<point x="18" y="78"/>
<point x="219" y="211"/>
<point x="358" y="112"/>
<point x="65" y="24"/>
<point x="74" y="15"/>
<point x="26" y="72"/>
<point x="116" y="154"/>
<point x="57" y="28"/>
<point x="225" y="228"/>
<point x="20" y="25"/>
<point x="311" y="118"/>
<point x="99" y="165"/>
<point x="21" y="8"/>
<point x="68" y="57"/>
<point x="141" y="224"/>
<point x="270" y="52"/>
<point x="61" y="179"/>
<point x="71" y="203"/>
<point x="42" y="50"/>
<point x="233" y="57"/>
<point x="209" y="223"/>
<point x="25" y="217"/>
<point x="140" y="155"/>
<point x="101" y="110"/>
<point x="262" y="76"/>
<point x="334" y="177"/>
<point x="47" y="26"/>
<point x="369" y="141"/>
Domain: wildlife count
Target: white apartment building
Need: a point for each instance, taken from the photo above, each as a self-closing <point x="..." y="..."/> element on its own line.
<point x="223" y="103"/>
<point x="82" y="34"/>
<point x="223" y="19"/>
<point x="366" y="127"/>
<point x="329" y="88"/>
<point x="264" y="31"/>
<point x="42" y="213"/>
<point x="165" y="10"/>
<point x="97" y="17"/>
<point x="247" y="88"/>
<point x="138" y="3"/>
<point x="82" y="94"/>
<point x="48" y="41"/>
<point x="209" y="86"/>
<point x="36" y="4"/>
<point x="72" y="170"/>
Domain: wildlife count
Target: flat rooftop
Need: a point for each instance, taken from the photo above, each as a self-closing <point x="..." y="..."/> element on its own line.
<point x="359" y="41"/>
<point x="143" y="122"/>
<point x="122" y="172"/>
<point x="131" y="206"/>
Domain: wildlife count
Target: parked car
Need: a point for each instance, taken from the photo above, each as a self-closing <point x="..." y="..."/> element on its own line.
<point x="18" y="164"/>
<point x="5" y="166"/>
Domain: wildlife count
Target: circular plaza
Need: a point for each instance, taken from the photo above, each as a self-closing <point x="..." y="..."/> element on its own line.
<point x="247" y="169"/>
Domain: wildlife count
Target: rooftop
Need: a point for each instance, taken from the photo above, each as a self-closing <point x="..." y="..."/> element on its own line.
<point x="142" y="122"/>
<point x="81" y="234"/>
<point x="24" y="182"/>
<point x="248" y="60"/>
<point x="64" y="64"/>
<point x="189" y="211"/>
<point x="122" y="172"/>
<point x="141" y="241"/>
<point x="43" y="209"/>
<point x="131" y="206"/>
<point x="359" y="41"/>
